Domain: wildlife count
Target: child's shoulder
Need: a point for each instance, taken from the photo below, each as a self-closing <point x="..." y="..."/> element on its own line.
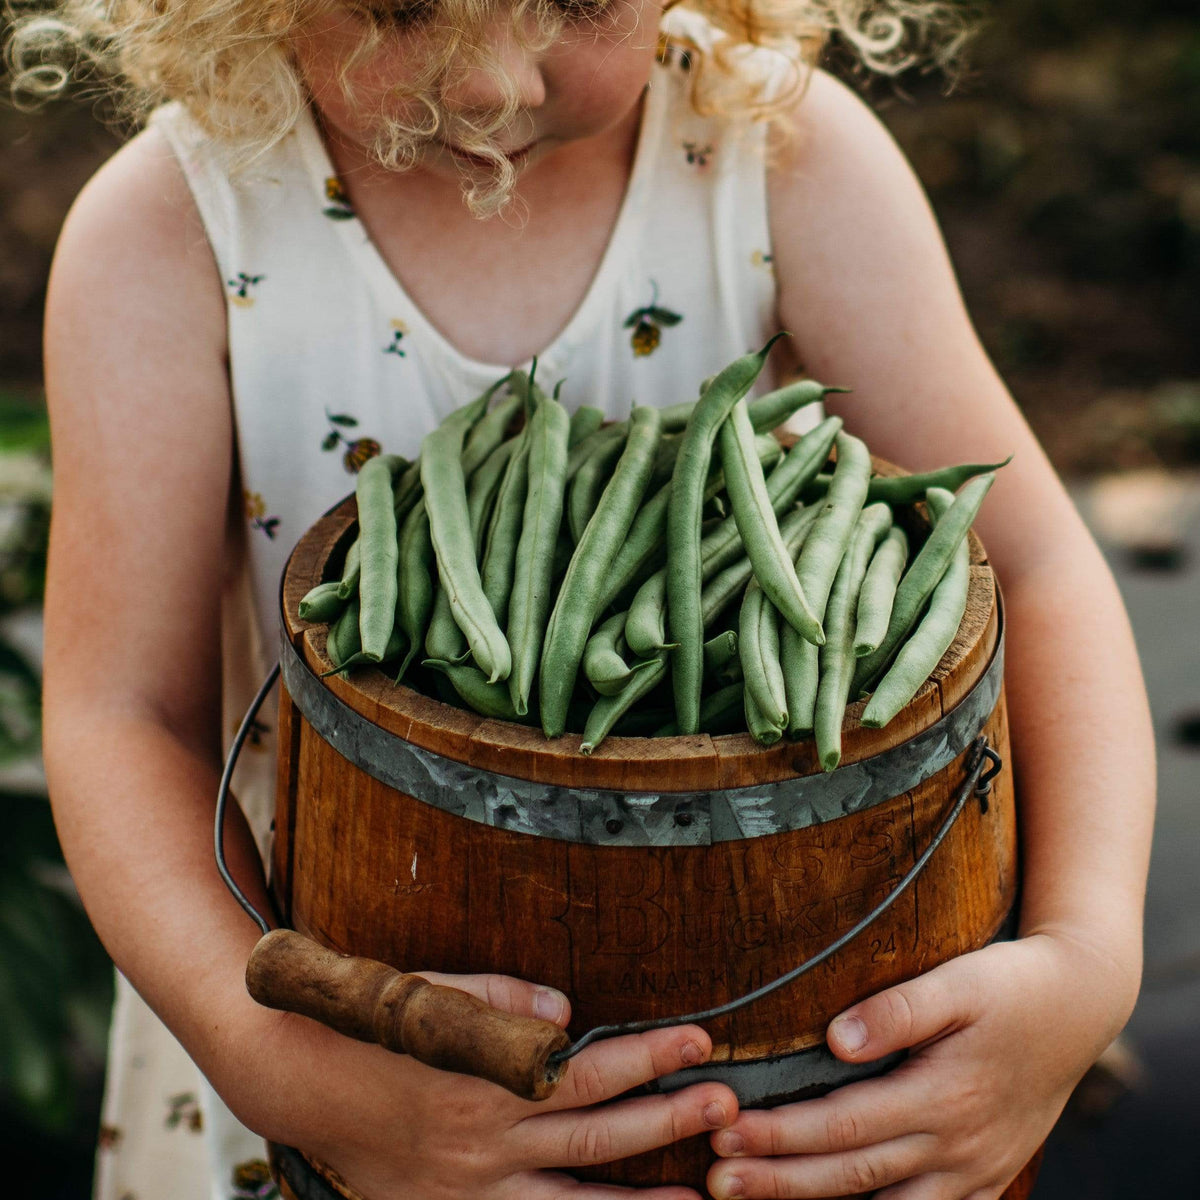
<point x="134" y="237"/>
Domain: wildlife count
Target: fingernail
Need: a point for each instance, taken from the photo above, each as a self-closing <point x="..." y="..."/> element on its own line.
<point x="549" y="1004"/>
<point x="691" y="1054"/>
<point x="730" y="1142"/>
<point x="850" y="1032"/>
<point x="714" y="1114"/>
<point x="731" y="1187"/>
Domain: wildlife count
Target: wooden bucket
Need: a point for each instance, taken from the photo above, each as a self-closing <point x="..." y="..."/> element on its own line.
<point x="655" y="878"/>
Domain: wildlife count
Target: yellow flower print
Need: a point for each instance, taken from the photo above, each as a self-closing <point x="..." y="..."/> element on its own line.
<point x="252" y="1181"/>
<point x="339" y="207"/>
<point x="647" y="324"/>
<point x="763" y="260"/>
<point x="240" y="287"/>
<point x="399" y="329"/>
<point x="256" y="514"/>
<point x="358" y="450"/>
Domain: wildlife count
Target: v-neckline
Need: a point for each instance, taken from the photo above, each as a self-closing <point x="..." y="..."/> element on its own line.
<point x="393" y="296"/>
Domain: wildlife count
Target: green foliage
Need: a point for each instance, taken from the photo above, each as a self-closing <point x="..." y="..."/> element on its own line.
<point x="55" y="979"/>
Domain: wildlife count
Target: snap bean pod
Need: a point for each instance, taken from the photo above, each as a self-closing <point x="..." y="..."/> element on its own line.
<point x="574" y="612"/>
<point x="836" y="658"/>
<point x="608" y="710"/>
<point x="379" y="555"/>
<point x="879" y="591"/>
<point x="529" y="605"/>
<point x="921" y="653"/>
<point x="774" y="570"/>
<point x="825" y="546"/>
<point x="450" y="527"/>
<point x="921" y="578"/>
<point x="684" y="556"/>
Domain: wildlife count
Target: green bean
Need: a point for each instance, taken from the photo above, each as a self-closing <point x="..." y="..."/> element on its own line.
<point x="609" y="709"/>
<point x="322" y="603"/>
<point x="879" y="591"/>
<point x="504" y="531"/>
<point x="837" y="655"/>
<point x="343" y="641"/>
<point x="758" y="648"/>
<point x="406" y="491"/>
<point x="648" y="534"/>
<point x="774" y="570"/>
<point x="379" y="555"/>
<point x="594" y="443"/>
<point x="532" y="592"/>
<point x="589" y="484"/>
<point x="351" y="570"/>
<point x="919" y="656"/>
<point x="482" y="489"/>
<point x="762" y="729"/>
<point x="443" y="638"/>
<point x="415" y="604"/>
<point x="719" y="652"/>
<point x="907" y="489"/>
<point x="724" y="545"/>
<point x="771" y="410"/>
<point x="486" y="698"/>
<point x="646" y="624"/>
<point x="603" y="661"/>
<point x="683" y="529"/>
<point x="767" y="411"/>
<point x="446" y="503"/>
<point x="395" y="646"/>
<point x="725" y="584"/>
<point x="490" y="430"/>
<point x="800" y="662"/>
<point x="921" y="578"/>
<point x="825" y="546"/>
<point x="575" y="610"/>
<point x="585" y="420"/>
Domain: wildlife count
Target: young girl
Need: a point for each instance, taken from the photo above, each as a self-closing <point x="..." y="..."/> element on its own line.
<point x="351" y="218"/>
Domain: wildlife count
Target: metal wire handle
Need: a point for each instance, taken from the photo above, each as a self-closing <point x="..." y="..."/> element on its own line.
<point x="977" y="781"/>
<point x="235" y="751"/>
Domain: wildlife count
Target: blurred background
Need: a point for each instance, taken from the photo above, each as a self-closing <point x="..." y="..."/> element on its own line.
<point x="1065" y="169"/>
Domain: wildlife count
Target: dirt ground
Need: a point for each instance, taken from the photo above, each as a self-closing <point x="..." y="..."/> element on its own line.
<point x="1065" y="171"/>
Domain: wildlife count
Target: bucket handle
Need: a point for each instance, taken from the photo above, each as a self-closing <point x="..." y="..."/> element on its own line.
<point x="362" y="998"/>
<point x="450" y="1029"/>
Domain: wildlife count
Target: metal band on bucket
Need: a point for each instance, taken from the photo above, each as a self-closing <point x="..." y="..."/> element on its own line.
<point x="613" y="818"/>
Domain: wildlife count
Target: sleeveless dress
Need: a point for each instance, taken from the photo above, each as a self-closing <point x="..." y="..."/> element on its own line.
<point x="331" y="362"/>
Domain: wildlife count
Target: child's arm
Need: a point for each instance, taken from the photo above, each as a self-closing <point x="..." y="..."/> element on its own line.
<point x="140" y="412"/>
<point x="866" y="287"/>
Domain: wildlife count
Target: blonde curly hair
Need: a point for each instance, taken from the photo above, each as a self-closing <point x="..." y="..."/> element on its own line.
<point x="229" y="61"/>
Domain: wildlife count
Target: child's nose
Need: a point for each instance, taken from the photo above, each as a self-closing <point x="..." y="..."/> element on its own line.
<point x="477" y="88"/>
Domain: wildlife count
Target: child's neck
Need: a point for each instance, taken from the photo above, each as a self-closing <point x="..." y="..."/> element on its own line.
<point x="498" y="290"/>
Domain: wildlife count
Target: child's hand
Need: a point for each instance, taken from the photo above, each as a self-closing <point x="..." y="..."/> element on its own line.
<point x="395" y="1129"/>
<point x="1000" y="1038"/>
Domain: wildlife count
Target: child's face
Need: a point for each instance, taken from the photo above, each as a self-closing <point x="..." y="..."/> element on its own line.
<point x="580" y="86"/>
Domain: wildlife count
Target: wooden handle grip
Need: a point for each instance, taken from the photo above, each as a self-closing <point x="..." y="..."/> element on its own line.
<point x="440" y="1026"/>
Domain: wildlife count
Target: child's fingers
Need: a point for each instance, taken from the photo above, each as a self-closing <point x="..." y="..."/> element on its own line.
<point x="516" y="996"/>
<point x="611" y="1067"/>
<point x="820" y="1175"/>
<point x="583" y="1138"/>
<point x="854" y="1116"/>
<point x="908" y="1015"/>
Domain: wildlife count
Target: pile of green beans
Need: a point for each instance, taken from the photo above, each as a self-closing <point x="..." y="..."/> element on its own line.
<point x="541" y="566"/>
